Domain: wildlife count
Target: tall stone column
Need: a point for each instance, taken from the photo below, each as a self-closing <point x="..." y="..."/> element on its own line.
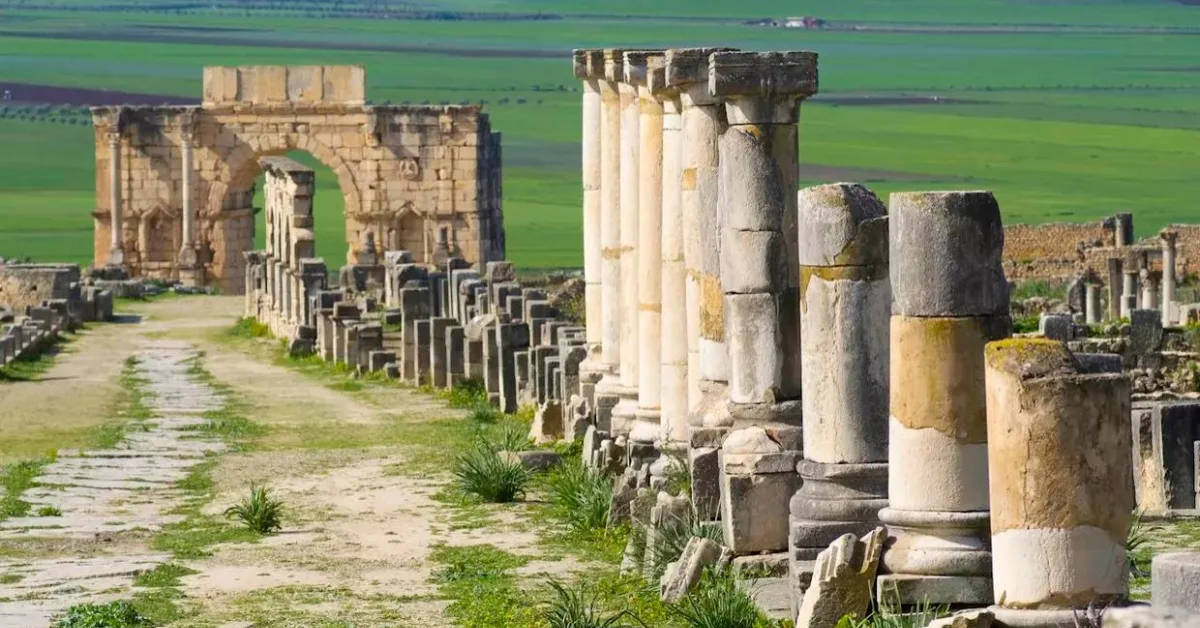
<point x="1170" y="316"/>
<point x="845" y="306"/>
<point x="589" y="68"/>
<point x="757" y="205"/>
<point x="1149" y="282"/>
<point x="674" y="357"/>
<point x="611" y="302"/>
<point x="1091" y="303"/>
<point x="646" y="429"/>
<point x="949" y="299"/>
<point x="1060" y="512"/>
<point x="187" y="251"/>
<point x="703" y="119"/>
<point x="757" y="208"/>
<point x="625" y="413"/>
<point x="116" y="251"/>
<point x="1129" y="290"/>
<point x="1115" y="287"/>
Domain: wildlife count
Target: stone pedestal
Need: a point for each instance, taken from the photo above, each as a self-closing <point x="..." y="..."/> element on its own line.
<point x="949" y="299"/>
<point x="1047" y="421"/>
<point x="1091" y="304"/>
<point x="845" y="308"/>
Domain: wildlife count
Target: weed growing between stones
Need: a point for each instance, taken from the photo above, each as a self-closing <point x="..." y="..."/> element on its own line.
<point x="673" y="536"/>
<point x="478" y="580"/>
<point x="890" y="615"/>
<point x="248" y="327"/>
<point x="482" y="471"/>
<point x="258" y="511"/>
<point x="579" y="497"/>
<point x="581" y="606"/>
<point x="718" y="602"/>
<point x="16" y="478"/>
<point x="119" y="614"/>
<point x="164" y="575"/>
<point x="49" y="511"/>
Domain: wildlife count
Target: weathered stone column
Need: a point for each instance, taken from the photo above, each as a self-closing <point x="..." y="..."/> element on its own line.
<point x="646" y="429"/>
<point x="949" y="299"/>
<point x="187" y="251"/>
<point x="1170" y="315"/>
<point x="1061" y="482"/>
<point x="757" y="208"/>
<point x="845" y="306"/>
<point x="703" y="119"/>
<point x="757" y="204"/>
<point x="1091" y="304"/>
<point x="1149" y="280"/>
<point x="625" y="413"/>
<point x="674" y="357"/>
<point x="116" y="252"/>
<point x="1129" y="290"/>
<point x="1114" y="288"/>
<point x="589" y="68"/>
<point x="611" y="303"/>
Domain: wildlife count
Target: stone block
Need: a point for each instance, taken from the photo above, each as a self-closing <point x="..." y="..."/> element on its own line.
<point x="682" y="576"/>
<point x="842" y="581"/>
<point x="754" y="510"/>
<point x="380" y="359"/>
<point x="1060" y="327"/>
<point x="1150" y="617"/>
<point x="907" y="589"/>
<point x="534" y="460"/>
<point x="547" y="423"/>
<point x="1175" y="428"/>
<point x="1175" y="580"/>
<point x="1145" y="332"/>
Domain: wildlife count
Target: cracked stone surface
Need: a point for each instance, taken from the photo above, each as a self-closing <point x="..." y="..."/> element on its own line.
<point x="103" y="492"/>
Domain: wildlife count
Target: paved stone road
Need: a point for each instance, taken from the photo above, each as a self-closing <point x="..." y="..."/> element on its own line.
<point x="102" y="493"/>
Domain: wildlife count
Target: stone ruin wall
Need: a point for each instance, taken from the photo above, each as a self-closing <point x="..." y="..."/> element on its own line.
<point x="410" y="176"/>
<point x="23" y="286"/>
<point x="1062" y="251"/>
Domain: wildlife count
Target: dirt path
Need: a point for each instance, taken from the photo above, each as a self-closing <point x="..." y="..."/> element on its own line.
<point x="360" y="517"/>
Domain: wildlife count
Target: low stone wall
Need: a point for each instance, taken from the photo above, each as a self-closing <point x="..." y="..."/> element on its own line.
<point x="25" y="287"/>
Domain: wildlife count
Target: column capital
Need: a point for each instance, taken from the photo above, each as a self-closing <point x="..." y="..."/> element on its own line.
<point x="588" y="64"/>
<point x="1168" y="236"/>
<point x="763" y="74"/>
<point x="636" y="64"/>
<point x="689" y="66"/>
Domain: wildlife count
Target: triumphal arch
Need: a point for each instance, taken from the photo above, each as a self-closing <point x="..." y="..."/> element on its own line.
<point x="421" y="179"/>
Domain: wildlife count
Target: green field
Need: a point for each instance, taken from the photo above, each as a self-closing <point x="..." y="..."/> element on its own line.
<point x="1067" y="110"/>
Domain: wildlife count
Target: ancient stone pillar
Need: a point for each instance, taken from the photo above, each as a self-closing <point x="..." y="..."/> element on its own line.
<point x="760" y="284"/>
<point x="757" y="206"/>
<point x="1129" y="291"/>
<point x="845" y="306"/>
<point x="1170" y="316"/>
<point x="589" y="68"/>
<point x="187" y="250"/>
<point x="1055" y="430"/>
<point x="116" y="252"/>
<point x="1115" y="284"/>
<point x="949" y="299"/>
<point x="611" y="302"/>
<point x="625" y="413"/>
<point x="703" y="120"/>
<point x="646" y="429"/>
<point x="674" y="356"/>
<point x="1091" y="304"/>
<point x="1149" y="281"/>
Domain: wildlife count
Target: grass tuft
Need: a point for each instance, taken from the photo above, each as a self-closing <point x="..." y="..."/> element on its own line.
<point x="119" y="614"/>
<point x="49" y="511"/>
<point x="719" y="603"/>
<point x="164" y="575"/>
<point x="579" y="496"/>
<point x="581" y="606"/>
<point x="248" y="327"/>
<point x="494" y="478"/>
<point x="16" y="478"/>
<point x="259" y="511"/>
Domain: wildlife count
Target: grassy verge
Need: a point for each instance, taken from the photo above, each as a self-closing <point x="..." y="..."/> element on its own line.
<point x="34" y="363"/>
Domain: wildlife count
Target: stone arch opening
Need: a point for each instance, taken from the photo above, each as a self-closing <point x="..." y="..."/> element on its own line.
<point x="331" y="239"/>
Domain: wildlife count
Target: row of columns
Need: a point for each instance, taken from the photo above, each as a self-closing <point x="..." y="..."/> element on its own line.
<point x="1132" y="286"/>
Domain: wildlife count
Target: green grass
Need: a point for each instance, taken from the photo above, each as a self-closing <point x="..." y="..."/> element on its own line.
<point x="15" y="478"/>
<point x="1070" y="124"/>
<point x="164" y="575"/>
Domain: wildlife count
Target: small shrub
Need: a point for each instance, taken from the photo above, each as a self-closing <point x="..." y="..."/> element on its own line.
<point x="49" y="511"/>
<point x="719" y="603"/>
<point x="119" y="614"/>
<point x="469" y="393"/>
<point x="579" y="496"/>
<point x="497" y="479"/>
<point x="484" y="415"/>
<point x="259" y="511"/>
<point x="580" y="607"/>
<point x="1026" y="324"/>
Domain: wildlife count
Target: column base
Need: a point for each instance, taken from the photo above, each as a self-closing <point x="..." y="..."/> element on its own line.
<point x="647" y="427"/>
<point x="605" y="401"/>
<point x="765" y="415"/>
<point x="937" y="543"/>
<point x="907" y="590"/>
<point x="116" y="257"/>
<point x="187" y="257"/>
<point x="834" y="499"/>
<point x="712" y="409"/>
